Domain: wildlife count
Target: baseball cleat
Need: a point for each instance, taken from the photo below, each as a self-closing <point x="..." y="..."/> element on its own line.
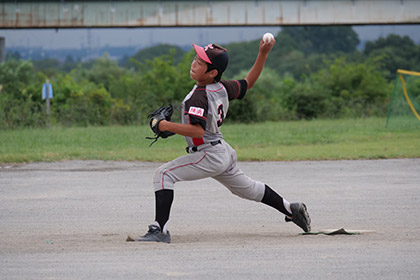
<point x="300" y="216"/>
<point x="156" y="235"/>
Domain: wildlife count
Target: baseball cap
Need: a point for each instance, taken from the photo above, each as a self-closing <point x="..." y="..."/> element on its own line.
<point x="214" y="55"/>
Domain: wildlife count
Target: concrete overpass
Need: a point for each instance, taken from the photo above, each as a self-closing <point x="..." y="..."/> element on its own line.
<point x="105" y="14"/>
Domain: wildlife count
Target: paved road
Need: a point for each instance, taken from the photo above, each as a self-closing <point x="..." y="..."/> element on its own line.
<point x="69" y="220"/>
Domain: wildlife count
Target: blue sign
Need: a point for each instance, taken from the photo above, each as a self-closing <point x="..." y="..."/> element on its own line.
<point x="44" y="91"/>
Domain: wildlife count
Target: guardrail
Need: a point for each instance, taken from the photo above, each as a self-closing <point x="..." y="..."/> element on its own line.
<point x="97" y="14"/>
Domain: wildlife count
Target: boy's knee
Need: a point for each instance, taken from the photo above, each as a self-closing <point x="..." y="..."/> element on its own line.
<point x="254" y="191"/>
<point x="162" y="180"/>
<point x="158" y="173"/>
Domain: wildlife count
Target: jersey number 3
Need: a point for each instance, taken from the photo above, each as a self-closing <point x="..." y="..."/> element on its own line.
<point x="221" y="115"/>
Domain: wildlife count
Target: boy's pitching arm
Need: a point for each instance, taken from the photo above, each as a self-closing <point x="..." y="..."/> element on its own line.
<point x="258" y="66"/>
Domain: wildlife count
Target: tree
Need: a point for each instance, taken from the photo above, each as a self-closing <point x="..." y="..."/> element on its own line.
<point x="241" y="57"/>
<point x="68" y="64"/>
<point x="323" y="39"/>
<point x="299" y="50"/>
<point x="399" y="53"/>
<point x="351" y="89"/>
<point x="15" y="75"/>
<point x="80" y="102"/>
<point x="48" y="66"/>
<point x="20" y="97"/>
<point x="104" y="71"/>
<point x="13" y="55"/>
<point x="156" y="51"/>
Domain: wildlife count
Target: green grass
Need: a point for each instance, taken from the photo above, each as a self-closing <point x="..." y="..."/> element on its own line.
<point x="271" y="141"/>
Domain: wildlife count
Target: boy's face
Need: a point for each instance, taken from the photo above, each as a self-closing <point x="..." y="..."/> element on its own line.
<point x="198" y="72"/>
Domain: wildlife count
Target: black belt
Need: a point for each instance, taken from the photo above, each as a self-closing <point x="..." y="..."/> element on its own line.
<point x="195" y="148"/>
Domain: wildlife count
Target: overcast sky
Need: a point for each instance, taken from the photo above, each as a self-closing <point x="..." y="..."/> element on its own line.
<point x="143" y="37"/>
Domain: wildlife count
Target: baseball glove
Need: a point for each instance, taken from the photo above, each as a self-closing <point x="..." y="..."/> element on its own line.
<point x="163" y="113"/>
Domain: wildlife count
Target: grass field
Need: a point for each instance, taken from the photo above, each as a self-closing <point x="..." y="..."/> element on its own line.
<point x="271" y="141"/>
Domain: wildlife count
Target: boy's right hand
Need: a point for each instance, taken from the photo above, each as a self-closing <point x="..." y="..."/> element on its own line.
<point x="257" y="68"/>
<point x="265" y="48"/>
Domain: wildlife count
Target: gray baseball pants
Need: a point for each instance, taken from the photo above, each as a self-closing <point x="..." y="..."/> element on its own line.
<point x="218" y="162"/>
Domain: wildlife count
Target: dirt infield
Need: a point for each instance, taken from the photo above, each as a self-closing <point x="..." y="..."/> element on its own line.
<point x="69" y="220"/>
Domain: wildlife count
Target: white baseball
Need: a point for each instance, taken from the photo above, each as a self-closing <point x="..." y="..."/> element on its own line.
<point x="267" y="38"/>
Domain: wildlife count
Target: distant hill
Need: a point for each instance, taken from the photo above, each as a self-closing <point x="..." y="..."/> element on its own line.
<point x="152" y="52"/>
<point x="115" y="53"/>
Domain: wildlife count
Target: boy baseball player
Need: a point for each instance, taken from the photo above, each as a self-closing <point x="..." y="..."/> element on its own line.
<point x="203" y="112"/>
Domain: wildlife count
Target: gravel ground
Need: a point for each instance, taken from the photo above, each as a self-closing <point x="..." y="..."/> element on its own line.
<point x="69" y="220"/>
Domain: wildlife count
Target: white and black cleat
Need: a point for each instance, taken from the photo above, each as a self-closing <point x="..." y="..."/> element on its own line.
<point x="155" y="235"/>
<point x="300" y="216"/>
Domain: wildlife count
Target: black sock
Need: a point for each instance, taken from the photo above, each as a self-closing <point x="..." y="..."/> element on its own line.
<point x="274" y="200"/>
<point x="163" y="202"/>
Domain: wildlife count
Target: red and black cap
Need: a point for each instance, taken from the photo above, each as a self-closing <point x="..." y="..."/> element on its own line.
<point x="214" y="55"/>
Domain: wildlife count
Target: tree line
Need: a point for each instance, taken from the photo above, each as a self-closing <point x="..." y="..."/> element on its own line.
<point x="312" y="72"/>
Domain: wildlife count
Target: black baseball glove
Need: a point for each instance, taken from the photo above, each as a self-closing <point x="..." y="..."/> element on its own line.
<point x="163" y="113"/>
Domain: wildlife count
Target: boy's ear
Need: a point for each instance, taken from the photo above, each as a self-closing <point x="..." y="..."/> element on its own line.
<point x="214" y="73"/>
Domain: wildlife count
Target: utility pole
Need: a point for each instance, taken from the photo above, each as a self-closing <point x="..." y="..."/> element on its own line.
<point x="2" y="49"/>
